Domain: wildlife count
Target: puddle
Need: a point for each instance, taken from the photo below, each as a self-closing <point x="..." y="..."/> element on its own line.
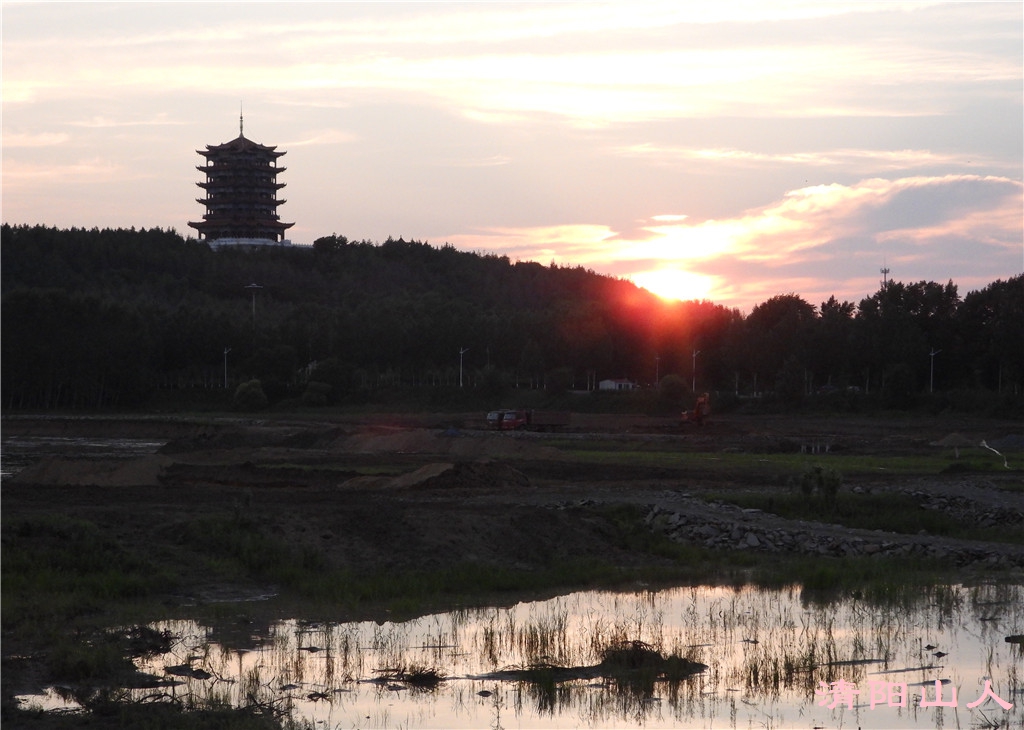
<point x="767" y="652"/>
<point x="19" y="452"/>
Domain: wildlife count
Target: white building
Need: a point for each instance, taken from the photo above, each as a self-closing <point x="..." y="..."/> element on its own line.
<point x="617" y="384"/>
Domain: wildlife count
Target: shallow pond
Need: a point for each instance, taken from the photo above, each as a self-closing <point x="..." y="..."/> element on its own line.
<point x="18" y="452"/>
<point x="774" y="660"/>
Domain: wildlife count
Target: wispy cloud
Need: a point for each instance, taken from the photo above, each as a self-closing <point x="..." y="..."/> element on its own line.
<point x="91" y="171"/>
<point x="810" y="227"/>
<point x="848" y="159"/>
<point x="107" y="122"/>
<point x="28" y="139"/>
<point x="614" y="63"/>
<point x="324" y="137"/>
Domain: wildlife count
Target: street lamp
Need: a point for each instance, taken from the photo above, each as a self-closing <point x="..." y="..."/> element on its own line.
<point x="931" y="374"/>
<point x="693" y="387"/>
<point x="226" y="351"/>
<point x="462" y="351"/>
<point x="657" y="371"/>
<point x="253" y="288"/>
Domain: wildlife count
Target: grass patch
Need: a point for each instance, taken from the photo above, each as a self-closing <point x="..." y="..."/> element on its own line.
<point x="781" y="464"/>
<point x="778" y="464"/>
<point x="59" y="568"/>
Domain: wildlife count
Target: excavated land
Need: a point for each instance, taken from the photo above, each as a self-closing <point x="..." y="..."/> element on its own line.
<point x="385" y="495"/>
<point x="384" y="492"/>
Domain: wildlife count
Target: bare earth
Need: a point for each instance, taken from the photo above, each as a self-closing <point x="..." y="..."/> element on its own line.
<point x="402" y="492"/>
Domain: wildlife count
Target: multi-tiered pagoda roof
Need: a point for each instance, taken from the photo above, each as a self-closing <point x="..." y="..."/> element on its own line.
<point x="241" y="193"/>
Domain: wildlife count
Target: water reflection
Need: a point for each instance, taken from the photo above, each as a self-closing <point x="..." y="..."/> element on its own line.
<point x="769" y="655"/>
<point x="20" y="452"/>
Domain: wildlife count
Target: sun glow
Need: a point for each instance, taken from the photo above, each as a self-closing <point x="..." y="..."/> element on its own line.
<point x="674" y="284"/>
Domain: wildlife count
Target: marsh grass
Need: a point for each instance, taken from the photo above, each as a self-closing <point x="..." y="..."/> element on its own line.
<point x="57" y="569"/>
<point x="417" y="676"/>
<point x="63" y="576"/>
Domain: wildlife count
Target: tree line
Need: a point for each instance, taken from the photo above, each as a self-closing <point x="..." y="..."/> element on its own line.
<point x="117" y="318"/>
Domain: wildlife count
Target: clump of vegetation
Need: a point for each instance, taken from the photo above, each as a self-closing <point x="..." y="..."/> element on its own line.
<point x="316" y="393"/>
<point x="416" y="676"/>
<point x="821" y="483"/>
<point x="249" y="396"/>
<point x="632" y="664"/>
<point x="632" y="660"/>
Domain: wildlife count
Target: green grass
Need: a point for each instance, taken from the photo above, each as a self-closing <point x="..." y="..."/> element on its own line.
<point x="738" y="464"/>
<point x="57" y="569"/>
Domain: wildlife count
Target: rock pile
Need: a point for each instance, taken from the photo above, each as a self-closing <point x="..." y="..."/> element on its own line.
<point x="967" y="510"/>
<point x="729" y="527"/>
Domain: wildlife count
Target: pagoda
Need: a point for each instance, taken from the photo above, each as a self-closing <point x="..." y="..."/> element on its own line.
<point x="241" y="194"/>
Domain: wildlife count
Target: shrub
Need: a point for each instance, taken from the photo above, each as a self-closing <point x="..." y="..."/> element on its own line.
<point x="316" y="394"/>
<point x="249" y="396"/>
<point x="825" y="483"/>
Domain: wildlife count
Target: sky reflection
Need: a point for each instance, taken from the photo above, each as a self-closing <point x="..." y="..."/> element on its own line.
<point x="767" y="654"/>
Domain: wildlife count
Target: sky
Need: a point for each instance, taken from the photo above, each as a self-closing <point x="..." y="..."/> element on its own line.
<point x="729" y="151"/>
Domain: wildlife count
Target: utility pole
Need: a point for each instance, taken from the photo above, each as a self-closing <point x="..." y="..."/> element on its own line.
<point x="254" y="288"/>
<point x="693" y="387"/>
<point x="931" y="374"/>
<point x="462" y="351"/>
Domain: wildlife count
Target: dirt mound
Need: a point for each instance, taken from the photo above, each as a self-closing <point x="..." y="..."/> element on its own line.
<point x="450" y="442"/>
<point x="462" y="475"/>
<point x="58" y="470"/>
<point x="210" y="437"/>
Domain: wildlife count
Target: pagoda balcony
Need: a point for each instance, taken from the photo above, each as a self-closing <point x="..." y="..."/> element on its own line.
<point x="252" y="185"/>
<point x="240" y="167"/>
<point x="241" y="200"/>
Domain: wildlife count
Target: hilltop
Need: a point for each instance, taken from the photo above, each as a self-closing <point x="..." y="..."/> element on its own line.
<point x="99" y="319"/>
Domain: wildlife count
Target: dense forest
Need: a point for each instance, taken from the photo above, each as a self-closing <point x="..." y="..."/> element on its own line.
<point x="96" y="319"/>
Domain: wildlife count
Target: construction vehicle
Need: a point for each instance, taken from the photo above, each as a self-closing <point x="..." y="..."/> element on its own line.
<point x="512" y="419"/>
<point x="701" y="410"/>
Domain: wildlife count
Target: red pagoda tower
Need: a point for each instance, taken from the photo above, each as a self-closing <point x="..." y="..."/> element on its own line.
<point x="241" y="194"/>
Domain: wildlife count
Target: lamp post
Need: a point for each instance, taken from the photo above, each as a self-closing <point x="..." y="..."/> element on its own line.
<point x="931" y="373"/>
<point x="693" y="387"/>
<point x="462" y="351"/>
<point x="226" y="351"/>
<point x="657" y="371"/>
<point x="254" y="288"/>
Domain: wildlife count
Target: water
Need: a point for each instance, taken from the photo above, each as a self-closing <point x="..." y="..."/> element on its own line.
<point x="767" y="651"/>
<point x="19" y="452"/>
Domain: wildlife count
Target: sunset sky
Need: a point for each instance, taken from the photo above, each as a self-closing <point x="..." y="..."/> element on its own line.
<point x="727" y="151"/>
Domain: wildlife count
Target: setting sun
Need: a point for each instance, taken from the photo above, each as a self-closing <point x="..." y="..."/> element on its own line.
<point x="674" y="284"/>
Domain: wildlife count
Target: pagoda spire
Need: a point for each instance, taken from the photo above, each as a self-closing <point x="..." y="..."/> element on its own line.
<point x="241" y="121"/>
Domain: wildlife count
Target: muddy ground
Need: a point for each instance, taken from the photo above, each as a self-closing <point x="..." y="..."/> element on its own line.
<point x="384" y="492"/>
